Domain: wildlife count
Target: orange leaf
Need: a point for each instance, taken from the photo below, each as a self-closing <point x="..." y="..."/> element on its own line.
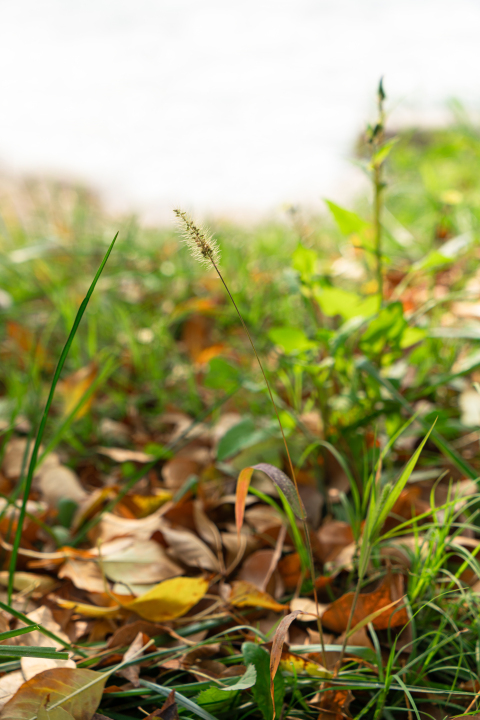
<point x="385" y="596"/>
<point x="242" y="492"/>
<point x="244" y="594"/>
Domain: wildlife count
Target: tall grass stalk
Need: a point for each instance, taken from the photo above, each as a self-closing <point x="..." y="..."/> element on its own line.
<point x="43" y="421"/>
<point x="206" y="250"/>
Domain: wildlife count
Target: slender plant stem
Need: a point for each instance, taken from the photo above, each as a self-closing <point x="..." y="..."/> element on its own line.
<point x="43" y="422"/>
<point x="290" y="463"/>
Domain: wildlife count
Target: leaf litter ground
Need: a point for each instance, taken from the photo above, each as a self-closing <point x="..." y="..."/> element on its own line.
<point x="156" y="550"/>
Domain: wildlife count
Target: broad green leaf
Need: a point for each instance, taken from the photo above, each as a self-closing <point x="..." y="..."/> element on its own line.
<point x="247" y="680"/>
<point x="335" y="301"/>
<point x="77" y="691"/>
<point x="261" y="690"/>
<point x="291" y="340"/>
<point x="239" y="437"/>
<point x="411" y="336"/>
<point x="221" y="375"/>
<point x="386" y="328"/>
<point x="347" y="221"/>
<point x="221" y="696"/>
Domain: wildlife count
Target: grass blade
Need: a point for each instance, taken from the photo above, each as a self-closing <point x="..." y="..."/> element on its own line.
<point x="43" y="422"/>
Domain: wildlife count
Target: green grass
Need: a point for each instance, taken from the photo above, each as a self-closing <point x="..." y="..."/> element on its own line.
<point x="307" y="289"/>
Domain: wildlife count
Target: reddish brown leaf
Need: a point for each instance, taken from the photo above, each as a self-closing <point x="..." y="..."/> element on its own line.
<point x="334" y="704"/>
<point x="390" y="591"/>
<point x="168" y="711"/>
<point x="277" y="647"/>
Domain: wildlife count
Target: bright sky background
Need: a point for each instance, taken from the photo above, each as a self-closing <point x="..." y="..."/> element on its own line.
<point x="219" y="105"/>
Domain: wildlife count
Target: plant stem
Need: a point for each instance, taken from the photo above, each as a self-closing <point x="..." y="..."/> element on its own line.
<point x="290" y="463"/>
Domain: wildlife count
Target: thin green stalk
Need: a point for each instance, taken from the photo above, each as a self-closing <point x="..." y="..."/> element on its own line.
<point x="43" y="422"/>
<point x="206" y="250"/>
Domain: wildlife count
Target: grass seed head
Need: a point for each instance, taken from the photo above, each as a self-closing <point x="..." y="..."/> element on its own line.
<point x="201" y="243"/>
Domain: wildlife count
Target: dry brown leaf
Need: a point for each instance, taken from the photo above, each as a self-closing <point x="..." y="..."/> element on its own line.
<point x="9" y="684"/>
<point x="390" y="591"/>
<point x="111" y="526"/>
<point x="84" y="574"/>
<point x="168" y="711"/>
<point x="333" y="537"/>
<point x="126" y="634"/>
<point x="334" y="704"/>
<point x="277" y="648"/>
<point x="176" y="472"/>
<point x="57" y="482"/>
<point x="132" y="673"/>
<point x="58" y="684"/>
<point x="144" y="562"/>
<point x="33" y="666"/>
<point x="308" y="609"/>
<point x="207" y="529"/>
<point x="192" y="551"/>
<point x="122" y="455"/>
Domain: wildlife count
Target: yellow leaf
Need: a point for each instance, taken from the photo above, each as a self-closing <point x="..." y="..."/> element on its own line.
<point x="244" y="594"/>
<point x="302" y="666"/>
<point x="147" y="504"/>
<point x="93" y="611"/>
<point x="170" y="599"/>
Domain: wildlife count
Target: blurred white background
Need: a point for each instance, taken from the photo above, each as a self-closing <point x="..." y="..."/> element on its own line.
<point x="220" y="105"/>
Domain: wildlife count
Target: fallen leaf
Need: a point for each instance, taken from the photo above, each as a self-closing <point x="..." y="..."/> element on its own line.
<point x="308" y="609"/>
<point x="333" y="537"/>
<point x="57" y="482"/>
<point x="126" y="634"/>
<point x="168" y="711"/>
<point x="84" y="574"/>
<point x="144" y="562"/>
<point x="132" y="673"/>
<point x="177" y="471"/>
<point x="257" y="570"/>
<point x="59" y="683"/>
<point x="277" y="648"/>
<point x="301" y="665"/>
<point x="9" y="684"/>
<point x="33" y="666"/>
<point x="244" y="594"/>
<point x="334" y="704"/>
<point x="121" y="455"/>
<point x="170" y="599"/>
<point x="111" y="526"/>
<point x="390" y="591"/>
<point x="28" y="582"/>
<point x="192" y="551"/>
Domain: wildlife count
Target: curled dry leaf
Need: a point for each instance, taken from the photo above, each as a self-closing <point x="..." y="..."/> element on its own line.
<point x="244" y="594"/>
<point x="83" y="688"/>
<point x="132" y="673"/>
<point x="281" y="481"/>
<point x="192" y="551"/>
<point x="112" y="526"/>
<point x="308" y="609"/>
<point x="84" y="574"/>
<point x="387" y="596"/>
<point x="277" y="648"/>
